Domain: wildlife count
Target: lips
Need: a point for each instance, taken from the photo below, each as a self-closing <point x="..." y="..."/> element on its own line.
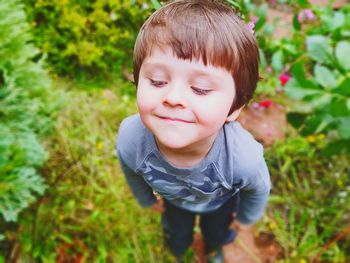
<point x="174" y="119"/>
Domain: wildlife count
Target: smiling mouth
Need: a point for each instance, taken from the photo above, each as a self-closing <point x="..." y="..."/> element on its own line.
<point x="169" y="119"/>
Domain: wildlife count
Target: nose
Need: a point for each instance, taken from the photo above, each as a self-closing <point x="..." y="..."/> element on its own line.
<point x="174" y="96"/>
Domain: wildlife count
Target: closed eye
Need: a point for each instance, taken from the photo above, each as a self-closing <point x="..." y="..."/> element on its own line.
<point x="158" y="83"/>
<point x="199" y="91"/>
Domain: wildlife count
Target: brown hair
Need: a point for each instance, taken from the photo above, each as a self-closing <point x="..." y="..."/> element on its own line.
<point x="208" y="30"/>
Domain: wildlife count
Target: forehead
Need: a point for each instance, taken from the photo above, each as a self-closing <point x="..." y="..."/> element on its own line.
<point x="164" y="59"/>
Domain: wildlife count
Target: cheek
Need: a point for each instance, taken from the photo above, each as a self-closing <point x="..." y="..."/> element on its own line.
<point x="146" y="100"/>
<point x="214" y="111"/>
<point x="213" y="118"/>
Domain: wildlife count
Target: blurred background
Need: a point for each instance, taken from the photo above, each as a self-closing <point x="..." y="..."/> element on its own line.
<point x="66" y="84"/>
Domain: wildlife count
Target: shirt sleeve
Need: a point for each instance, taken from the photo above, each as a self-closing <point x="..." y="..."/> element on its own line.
<point x="254" y="197"/>
<point x="140" y="189"/>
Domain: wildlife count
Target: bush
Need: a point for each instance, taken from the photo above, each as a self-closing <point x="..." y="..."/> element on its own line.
<point x="308" y="206"/>
<point x="315" y="57"/>
<point x="323" y="87"/>
<point x="24" y="112"/>
<point x="87" y="37"/>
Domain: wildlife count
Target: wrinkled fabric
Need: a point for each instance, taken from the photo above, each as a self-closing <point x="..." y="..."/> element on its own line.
<point x="235" y="163"/>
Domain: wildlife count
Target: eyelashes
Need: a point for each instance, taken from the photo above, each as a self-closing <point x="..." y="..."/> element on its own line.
<point x="199" y="91"/>
<point x="196" y="90"/>
<point x="157" y="83"/>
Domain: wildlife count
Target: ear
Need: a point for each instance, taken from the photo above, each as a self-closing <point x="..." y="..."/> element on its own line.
<point x="234" y="115"/>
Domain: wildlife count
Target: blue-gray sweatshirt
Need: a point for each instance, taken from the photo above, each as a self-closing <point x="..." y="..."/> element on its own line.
<point x="235" y="163"/>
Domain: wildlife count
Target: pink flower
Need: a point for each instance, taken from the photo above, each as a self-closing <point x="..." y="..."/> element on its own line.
<point x="284" y="78"/>
<point x="265" y="103"/>
<point x="255" y="105"/>
<point x="309" y="14"/>
<point x="254" y="19"/>
<point x="306" y="15"/>
<point x="251" y="26"/>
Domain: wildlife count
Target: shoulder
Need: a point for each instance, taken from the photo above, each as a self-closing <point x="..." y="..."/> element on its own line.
<point x="130" y="125"/>
<point x="242" y="143"/>
<point x="245" y="155"/>
<point x="131" y="137"/>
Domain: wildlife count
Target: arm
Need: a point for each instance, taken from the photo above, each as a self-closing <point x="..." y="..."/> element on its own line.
<point x="141" y="190"/>
<point x="253" y="198"/>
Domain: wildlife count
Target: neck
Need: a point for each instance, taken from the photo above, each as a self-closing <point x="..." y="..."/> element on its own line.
<point x="188" y="156"/>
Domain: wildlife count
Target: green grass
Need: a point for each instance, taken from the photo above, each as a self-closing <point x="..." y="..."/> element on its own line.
<point x="308" y="206"/>
<point x="88" y="209"/>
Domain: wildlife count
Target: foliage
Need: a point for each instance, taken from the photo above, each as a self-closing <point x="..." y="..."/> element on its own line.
<point x="88" y="210"/>
<point x="324" y="89"/>
<point x="316" y="58"/>
<point x="87" y="37"/>
<point x="24" y="112"/>
<point x="304" y="214"/>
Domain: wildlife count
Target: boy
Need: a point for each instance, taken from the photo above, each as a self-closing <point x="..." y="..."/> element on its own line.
<point x="195" y="68"/>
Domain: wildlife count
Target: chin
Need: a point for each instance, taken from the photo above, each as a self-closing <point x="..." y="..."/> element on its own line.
<point x="172" y="143"/>
<point x="176" y="145"/>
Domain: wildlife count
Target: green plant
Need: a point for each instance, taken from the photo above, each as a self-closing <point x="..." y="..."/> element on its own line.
<point x="87" y="38"/>
<point x="316" y="58"/>
<point x="308" y="202"/>
<point x="24" y="112"/>
<point x="325" y="90"/>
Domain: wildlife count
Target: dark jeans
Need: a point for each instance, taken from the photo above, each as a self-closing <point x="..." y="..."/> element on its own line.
<point x="178" y="226"/>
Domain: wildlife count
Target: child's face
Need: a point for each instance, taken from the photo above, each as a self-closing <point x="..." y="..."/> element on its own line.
<point x="183" y="103"/>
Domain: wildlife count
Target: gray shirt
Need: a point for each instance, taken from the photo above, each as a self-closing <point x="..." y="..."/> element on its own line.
<point x="235" y="163"/>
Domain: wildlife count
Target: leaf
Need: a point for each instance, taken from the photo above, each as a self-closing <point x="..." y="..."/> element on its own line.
<point x="325" y="77"/>
<point x="296" y="119"/>
<point x="65" y="237"/>
<point x="338" y="108"/>
<point x="269" y="29"/>
<point x="277" y="199"/>
<point x="295" y="91"/>
<point x="262" y="10"/>
<point x="156" y="4"/>
<point x="342" y="52"/>
<point x="319" y="48"/>
<point x="345" y="33"/>
<point x="263" y="63"/>
<point x="260" y="23"/>
<point x="290" y="48"/>
<point x="316" y="123"/>
<point x="303" y="3"/>
<point x="343" y="125"/>
<point x="277" y="61"/>
<point x="343" y="88"/>
<point x="234" y="4"/>
<point x="334" y="22"/>
<point x="298" y="73"/>
<point x="336" y="147"/>
<point x="318" y="101"/>
<point x="296" y="23"/>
